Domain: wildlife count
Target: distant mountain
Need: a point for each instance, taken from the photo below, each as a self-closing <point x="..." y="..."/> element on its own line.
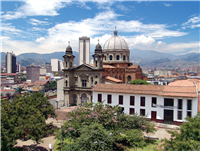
<point x="39" y="59"/>
<point x="149" y="55"/>
<point x="145" y="58"/>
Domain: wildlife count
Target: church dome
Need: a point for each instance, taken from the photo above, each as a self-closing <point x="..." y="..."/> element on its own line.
<point x="115" y="43"/>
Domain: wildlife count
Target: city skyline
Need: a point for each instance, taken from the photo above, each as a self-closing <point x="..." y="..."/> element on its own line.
<point x="41" y="27"/>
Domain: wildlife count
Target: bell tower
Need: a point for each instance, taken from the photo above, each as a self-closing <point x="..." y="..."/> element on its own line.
<point x="98" y="57"/>
<point x="68" y="58"/>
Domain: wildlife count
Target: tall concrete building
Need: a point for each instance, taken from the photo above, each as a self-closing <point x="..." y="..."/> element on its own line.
<point x="84" y="50"/>
<point x="10" y="62"/>
<point x="57" y="65"/>
<point x="32" y="73"/>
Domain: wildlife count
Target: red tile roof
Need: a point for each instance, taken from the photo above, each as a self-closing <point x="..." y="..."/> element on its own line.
<point x="133" y="66"/>
<point x="182" y="91"/>
<point x="40" y="82"/>
<point x="113" y="79"/>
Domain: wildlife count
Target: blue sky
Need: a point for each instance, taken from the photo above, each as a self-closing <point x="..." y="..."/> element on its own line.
<point x="46" y="26"/>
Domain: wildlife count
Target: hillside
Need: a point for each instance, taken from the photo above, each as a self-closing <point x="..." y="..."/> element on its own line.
<point x="142" y="57"/>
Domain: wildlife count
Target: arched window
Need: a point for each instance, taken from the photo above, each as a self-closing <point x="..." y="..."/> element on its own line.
<point x="124" y="57"/>
<point x="128" y="78"/>
<point x="117" y="58"/>
<point x="70" y="64"/>
<point x="95" y="83"/>
<point x="119" y="78"/>
<point x="105" y="57"/>
<point x="96" y="63"/>
<point x="66" y="64"/>
<point x="66" y="82"/>
<point x="110" y="57"/>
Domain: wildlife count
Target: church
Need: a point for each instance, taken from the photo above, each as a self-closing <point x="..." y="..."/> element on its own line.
<point x="111" y="65"/>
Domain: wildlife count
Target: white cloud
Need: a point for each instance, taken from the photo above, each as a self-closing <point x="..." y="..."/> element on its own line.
<point x="122" y="7"/>
<point x="143" y="40"/>
<point x="36" y="22"/>
<point x="83" y="5"/>
<point x="9" y="30"/>
<point x="99" y="27"/>
<point x="167" y="5"/>
<point x="192" y="23"/>
<point x="40" y="39"/>
<point x="35" y="8"/>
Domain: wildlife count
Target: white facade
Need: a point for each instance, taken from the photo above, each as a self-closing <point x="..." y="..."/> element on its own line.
<point x="84" y="50"/>
<point x="57" y="65"/>
<point x="148" y="104"/>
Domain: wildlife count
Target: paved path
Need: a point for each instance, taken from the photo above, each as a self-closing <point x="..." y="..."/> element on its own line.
<point x="40" y="147"/>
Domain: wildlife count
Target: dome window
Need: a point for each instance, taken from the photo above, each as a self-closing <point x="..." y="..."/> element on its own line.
<point x="117" y="57"/>
<point x="110" y="57"/>
<point x="66" y="82"/>
<point x="124" y="57"/>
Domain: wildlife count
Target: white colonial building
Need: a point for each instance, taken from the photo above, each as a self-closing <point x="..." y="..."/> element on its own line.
<point x="169" y="104"/>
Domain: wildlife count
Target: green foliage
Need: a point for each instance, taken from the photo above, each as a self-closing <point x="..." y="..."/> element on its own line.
<point x="187" y="137"/>
<point x="140" y="82"/>
<point x="25" y="116"/>
<point x="94" y="122"/>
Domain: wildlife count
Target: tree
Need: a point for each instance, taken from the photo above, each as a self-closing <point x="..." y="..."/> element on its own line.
<point x="8" y="95"/>
<point x="187" y="137"/>
<point x="25" y="116"/>
<point x="19" y="90"/>
<point x="83" y="126"/>
<point x="140" y="82"/>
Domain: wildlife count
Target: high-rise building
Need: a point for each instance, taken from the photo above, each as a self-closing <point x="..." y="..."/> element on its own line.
<point x="57" y="65"/>
<point x="84" y="50"/>
<point x="10" y="62"/>
<point x="32" y="73"/>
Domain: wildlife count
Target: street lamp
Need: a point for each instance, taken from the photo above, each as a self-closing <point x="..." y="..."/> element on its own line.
<point x="103" y="142"/>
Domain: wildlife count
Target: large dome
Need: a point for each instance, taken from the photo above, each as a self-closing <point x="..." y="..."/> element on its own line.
<point x="115" y="43"/>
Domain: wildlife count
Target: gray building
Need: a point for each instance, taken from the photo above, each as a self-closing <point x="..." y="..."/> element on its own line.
<point x="10" y="62"/>
<point x="32" y="73"/>
<point x="84" y="50"/>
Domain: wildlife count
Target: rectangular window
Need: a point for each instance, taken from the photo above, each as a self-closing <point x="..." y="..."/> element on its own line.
<point x="179" y="115"/>
<point x="142" y="112"/>
<point x="180" y="103"/>
<point x="189" y="104"/>
<point x="121" y="99"/>
<point x="132" y="111"/>
<point x="168" y="102"/>
<point x="142" y="101"/>
<point x="109" y="99"/>
<point x="132" y="100"/>
<point x="99" y="97"/>
<point x="84" y="83"/>
<point x="189" y="113"/>
<point x="153" y="102"/>
<point x="70" y="64"/>
<point x="66" y="64"/>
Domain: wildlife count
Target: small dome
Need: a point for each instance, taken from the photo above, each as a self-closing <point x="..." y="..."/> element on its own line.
<point x="98" y="47"/>
<point x="69" y="48"/>
<point x="115" y="42"/>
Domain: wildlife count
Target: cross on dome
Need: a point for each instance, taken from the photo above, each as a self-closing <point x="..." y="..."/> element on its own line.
<point x="68" y="43"/>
